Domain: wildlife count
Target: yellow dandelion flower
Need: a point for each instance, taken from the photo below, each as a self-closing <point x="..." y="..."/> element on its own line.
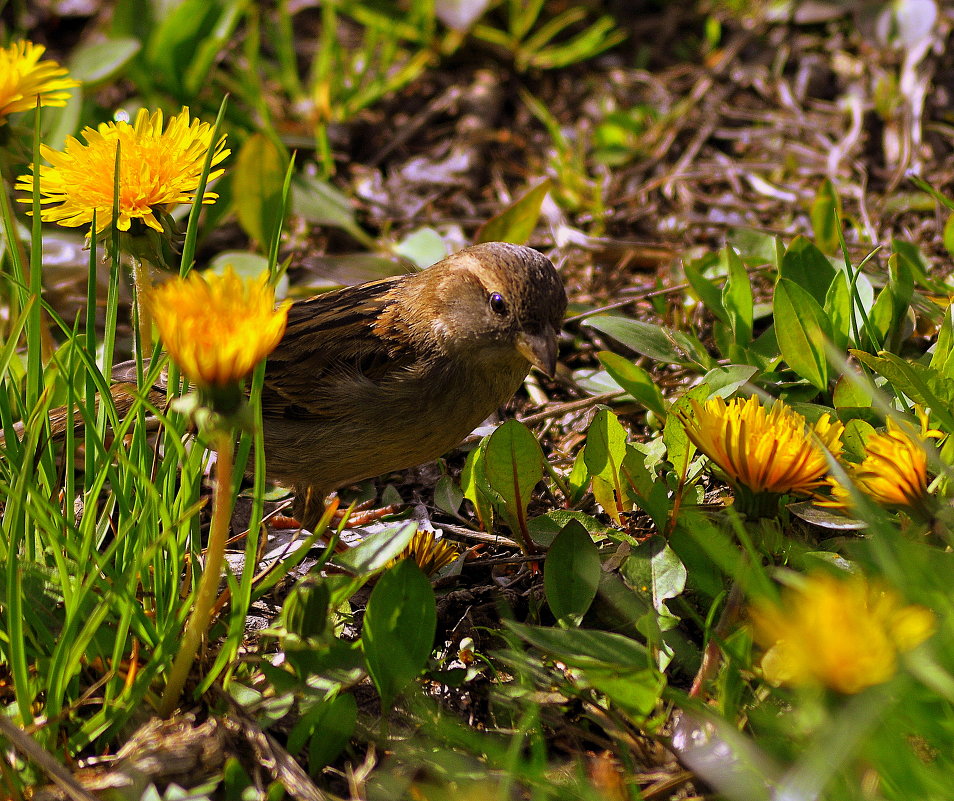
<point x="845" y="634"/>
<point x="765" y="452"/>
<point x="430" y="553"/>
<point x="217" y="327"/>
<point x="24" y="79"/>
<point x="158" y="169"/>
<point x="893" y="472"/>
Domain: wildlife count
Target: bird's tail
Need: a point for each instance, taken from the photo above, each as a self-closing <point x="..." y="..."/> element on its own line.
<point x="124" y="397"/>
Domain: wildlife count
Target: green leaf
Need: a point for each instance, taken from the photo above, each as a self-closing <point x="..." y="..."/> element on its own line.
<point x="855" y="436"/>
<point x="941" y="359"/>
<point x="424" y="247"/>
<point x="654" y="568"/>
<point x="305" y="611"/>
<point x="327" y="727"/>
<point x="376" y="550"/>
<point x="547" y="526"/>
<point x="802" y="329"/>
<point x="645" y="338"/>
<point x="517" y="222"/>
<point x="850" y="394"/>
<point x="725" y="381"/>
<point x="919" y="265"/>
<point x="838" y="307"/>
<point x="333" y="728"/>
<point x="893" y="302"/>
<point x="322" y="204"/>
<point x="708" y="292"/>
<point x="948" y="235"/>
<point x="679" y="450"/>
<point x="399" y="627"/>
<point x="644" y="488"/>
<point x="585" y="648"/>
<point x="606" y="495"/>
<point x="737" y="298"/>
<point x="636" y="691"/>
<point x="571" y="573"/>
<point x="447" y="495"/>
<point x="756" y="247"/>
<point x="635" y="380"/>
<point x="826" y="218"/>
<point x="578" y="480"/>
<point x="603" y="455"/>
<point x="476" y="488"/>
<point x="99" y="61"/>
<point x="703" y="575"/>
<point x="178" y="40"/>
<point x="513" y="463"/>
<point x="920" y="383"/>
<point x="807" y="266"/>
<point x="605" y="446"/>
<point x="259" y="179"/>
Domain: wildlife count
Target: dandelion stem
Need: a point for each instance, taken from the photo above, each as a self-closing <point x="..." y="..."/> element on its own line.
<point x="142" y="282"/>
<point x="205" y="596"/>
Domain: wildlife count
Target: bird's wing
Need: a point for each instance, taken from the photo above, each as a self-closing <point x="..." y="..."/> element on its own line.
<point x="125" y="373"/>
<point x="330" y="340"/>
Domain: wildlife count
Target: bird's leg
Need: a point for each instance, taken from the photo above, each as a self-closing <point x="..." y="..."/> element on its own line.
<point x="310" y="505"/>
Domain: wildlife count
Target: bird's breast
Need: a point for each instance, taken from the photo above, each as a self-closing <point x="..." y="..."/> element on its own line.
<point x="413" y="416"/>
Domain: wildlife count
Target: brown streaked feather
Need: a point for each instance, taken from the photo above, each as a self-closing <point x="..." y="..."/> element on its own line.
<point x="332" y="335"/>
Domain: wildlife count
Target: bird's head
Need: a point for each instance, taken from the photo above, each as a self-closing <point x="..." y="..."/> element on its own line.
<point x="496" y="296"/>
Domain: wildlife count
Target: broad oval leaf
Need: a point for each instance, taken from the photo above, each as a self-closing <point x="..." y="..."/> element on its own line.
<point x="728" y="379"/>
<point x="571" y="573"/>
<point x="807" y="266"/>
<point x="737" y="298"/>
<point x="708" y="292"/>
<point x="584" y="648"/>
<point x="424" y="247"/>
<point x="635" y="380"/>
<point x="679" y="450"/>
<point x="654" y="568"/>
<point x="476" y="488"/>
<point x="515" y="224"/>
<point x="376" y="550"/>
<point x="326" y="727"/>
<point x="893" y="302"/>
<point x="826" y="217"/>
<point x="802" y="329"/>
<point x="942" y="359"/>
<point x="851" y="392"/>
<point x="259" y="180"/>
<point x="855" y="436"/>
<point x="645" y="338"/>
<point x="100" y="61"/>
<point x="399" y="626"/>
<point x="332" y="731"/>
<point x="513" y="464"/>
<point x="636" y="691"/>
<point x="838" y="307"/>
<point x="605" y="446"/>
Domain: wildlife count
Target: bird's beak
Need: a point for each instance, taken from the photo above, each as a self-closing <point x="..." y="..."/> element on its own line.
<point x="539" y="349"/>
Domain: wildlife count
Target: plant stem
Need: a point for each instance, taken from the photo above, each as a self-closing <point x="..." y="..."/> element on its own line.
<point x="205" y="595"/>
<point x="143" y="284"/>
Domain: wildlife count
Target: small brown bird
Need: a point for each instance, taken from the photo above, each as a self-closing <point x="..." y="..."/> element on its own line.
<point x="389" y="374"/>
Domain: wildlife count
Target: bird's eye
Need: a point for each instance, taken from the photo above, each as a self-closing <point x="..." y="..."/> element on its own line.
<point x="497" y="304"/>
